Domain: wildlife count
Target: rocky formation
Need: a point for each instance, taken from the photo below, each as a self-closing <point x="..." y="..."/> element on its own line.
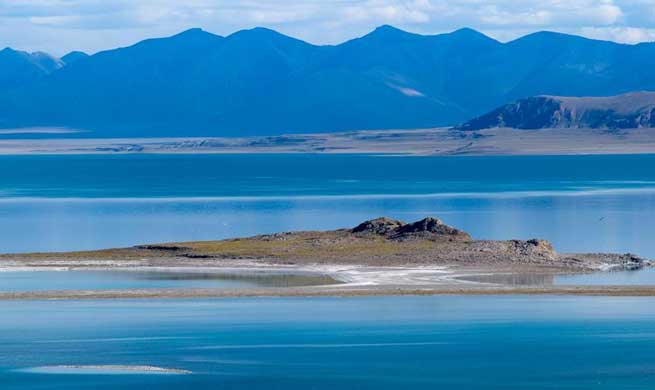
<point x="428" y="228"/>
<point x="379" y="242"/>
<point x="382" y="226"/>
<point x="535" y="247"/>
<point x="629" y="111"/>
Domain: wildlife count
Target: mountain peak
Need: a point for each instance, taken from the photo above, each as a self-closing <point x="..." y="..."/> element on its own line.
<point x="8" y="51"/>
<point x="470" y="33"/>
<point x="195" y="34"/>
<point x="73" y="57"/>
<point x="388" y="29"/>
<point x="192" y="31"/>
<point x="259" y="32"/>
<point x="554" y="37"/>
<point x="263" y="34"/>
<point x="387" y="33"/>
<point x="192" y="39"/>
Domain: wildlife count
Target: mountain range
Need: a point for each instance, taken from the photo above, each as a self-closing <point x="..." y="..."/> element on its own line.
<point x="260" y="82"/>
<point x="628" y="111"/>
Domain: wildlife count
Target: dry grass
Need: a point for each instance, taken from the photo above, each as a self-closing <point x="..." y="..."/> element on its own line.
<point x="317" y="245"/>
<point x="301" y="247"/>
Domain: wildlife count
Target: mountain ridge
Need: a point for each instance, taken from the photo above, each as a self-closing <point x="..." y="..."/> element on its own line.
<point x="259" y="82"/>
<point x="626" y="111"/>
<point x="19" y="67"/>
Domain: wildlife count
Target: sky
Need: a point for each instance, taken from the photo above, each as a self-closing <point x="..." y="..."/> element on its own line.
<point x="60" y="26"/>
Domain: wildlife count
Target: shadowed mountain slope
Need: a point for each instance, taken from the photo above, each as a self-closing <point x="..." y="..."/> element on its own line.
<point x="628" y="111"/>
<point x="18" y="68"/>
<point x="258" y="82"/>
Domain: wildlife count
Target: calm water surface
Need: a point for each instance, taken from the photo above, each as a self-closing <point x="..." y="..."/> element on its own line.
<point x="593" y="203"/>
<point x="99" y="280"/>
<point x="329" y="343"/>
<point x="643" y="277"/>
<point x="581" y="203"/>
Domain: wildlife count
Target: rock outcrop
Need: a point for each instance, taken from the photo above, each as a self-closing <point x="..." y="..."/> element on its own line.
<point x="535" y="247"/>
<point x="382" y="226"/>
<point x="398" y="230"/>
<point x="629" y="111"/>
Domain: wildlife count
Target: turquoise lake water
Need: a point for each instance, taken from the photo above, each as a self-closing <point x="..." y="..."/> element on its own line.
<point x="643" y="277"/>
<point x="509" y="342"/>
<point x="581" y="203"/>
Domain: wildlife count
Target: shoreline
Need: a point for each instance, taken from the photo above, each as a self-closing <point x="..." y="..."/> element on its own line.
<point x="368" y="281"/>
<point x="609" y="291"/>
<point x="404" y="142"/>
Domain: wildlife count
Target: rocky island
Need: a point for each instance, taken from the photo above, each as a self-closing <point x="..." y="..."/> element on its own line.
<point x="379" y="256"/>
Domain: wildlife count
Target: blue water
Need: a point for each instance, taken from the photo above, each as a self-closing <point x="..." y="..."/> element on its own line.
<point x="581" y="203"/>
<point x="584" y="203"/>
<point x="645" y="277"/>
<point x="453" y="342"/>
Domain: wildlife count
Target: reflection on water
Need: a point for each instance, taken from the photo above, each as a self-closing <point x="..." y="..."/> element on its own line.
<point x="512" y="279"/>
<point x="104" y="280"/>
<point x="644" y="277"/>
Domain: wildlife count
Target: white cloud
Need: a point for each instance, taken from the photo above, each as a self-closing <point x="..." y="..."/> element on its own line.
<point x="620" y="34"/>
<point x="61" y="25"/>
<point x="384" y="11"/>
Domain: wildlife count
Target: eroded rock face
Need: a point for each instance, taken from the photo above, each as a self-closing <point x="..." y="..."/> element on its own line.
<point x="382" y="226"/>
<point x="535" y="247"/>
<point x="394" y="229"/>
<point x="429" y="226"/>
<point x="628" y="111"/>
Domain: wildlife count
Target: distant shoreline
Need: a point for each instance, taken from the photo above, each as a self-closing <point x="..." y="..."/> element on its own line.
<point x="610" y="291"/>
<point x="423" y="142"/>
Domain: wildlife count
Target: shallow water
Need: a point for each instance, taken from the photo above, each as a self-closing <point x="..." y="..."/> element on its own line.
<point x="644" y="277"/>
<point x="581" y="203"/>
<point x="451" y="342"/>
<point x="105" y="280"/>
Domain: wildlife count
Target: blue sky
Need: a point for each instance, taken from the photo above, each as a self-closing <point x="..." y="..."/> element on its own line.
<point x="58" y="26"/>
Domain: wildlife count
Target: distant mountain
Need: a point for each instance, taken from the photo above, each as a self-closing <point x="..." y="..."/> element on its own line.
<point x="73" y="56"/>
<point x="628" y="111"/>
<point x="18" y="68"/>
<point x="259" y="82"/>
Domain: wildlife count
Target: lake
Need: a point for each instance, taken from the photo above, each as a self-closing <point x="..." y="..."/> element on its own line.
<point x="581" y="203"/>
<point x="509" y="342"/>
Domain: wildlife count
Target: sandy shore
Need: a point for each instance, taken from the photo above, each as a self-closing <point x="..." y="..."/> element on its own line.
<point x="439" y="141"/>
<point x="340" y="292"/>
